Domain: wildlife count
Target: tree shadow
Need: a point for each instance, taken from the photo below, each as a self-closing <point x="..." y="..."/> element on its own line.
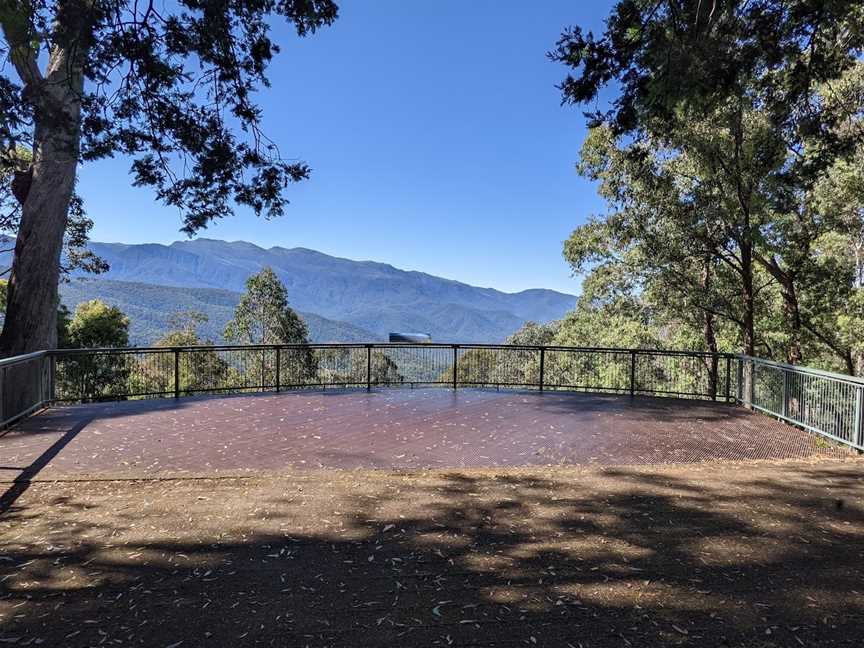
<point x="22" y="481"/>
<point x="640" y="557"/>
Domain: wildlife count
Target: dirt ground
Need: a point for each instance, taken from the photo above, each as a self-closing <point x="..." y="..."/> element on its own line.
<point x="718" y="554"/>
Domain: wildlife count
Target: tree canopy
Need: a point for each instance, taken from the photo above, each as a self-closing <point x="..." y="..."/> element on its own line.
<point x="169" y="86"/>
<point x="732" y="126"/>
<point x="263" y="315"/>
<point x="95" y="324"/>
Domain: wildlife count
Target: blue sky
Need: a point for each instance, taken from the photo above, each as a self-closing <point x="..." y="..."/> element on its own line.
<point x="435" y="135"/>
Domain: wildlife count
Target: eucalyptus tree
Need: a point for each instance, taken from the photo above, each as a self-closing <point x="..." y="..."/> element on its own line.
<point x="731" y="88"/>
<point x="667" y="226"/>
<point x="169" y="85"/>
<point x="263" y="317"/>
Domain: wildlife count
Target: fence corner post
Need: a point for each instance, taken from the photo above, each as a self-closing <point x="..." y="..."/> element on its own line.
<point x="542" y="365"/>
<point x="632" y="373"/>
<point x="368" y="367"/>
<point x="176" y="372"/>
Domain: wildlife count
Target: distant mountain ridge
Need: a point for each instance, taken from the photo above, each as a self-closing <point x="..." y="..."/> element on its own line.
<point x="373" y="296"/>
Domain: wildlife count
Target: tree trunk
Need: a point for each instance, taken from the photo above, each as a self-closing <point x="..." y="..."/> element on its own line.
<point x="793" y="317"/>
<point x="31" y="308"/>
<point x="709" y="333"/>
<point x="748" y="298"/>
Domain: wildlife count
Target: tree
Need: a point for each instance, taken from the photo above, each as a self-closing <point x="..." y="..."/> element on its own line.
<point x="263" y="316"/>
<point x="96" y="325"/>
<point x="534" y="334"/>
<point x="184" y="330"/>
<point x="169" y="86"/>
<point x="721" y="119"/>
<point x="75" y="254"/>
<point x="91" y="376"/>
<point x="200" y="370"/>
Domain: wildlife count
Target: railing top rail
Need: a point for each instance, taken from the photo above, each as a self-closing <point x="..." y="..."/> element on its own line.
<point x="14" y="360"/>
<point x="855" y="380"/>
<point x="384" y="345"/>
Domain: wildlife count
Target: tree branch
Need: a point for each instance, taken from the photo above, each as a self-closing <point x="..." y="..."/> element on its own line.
<point x="16" y="31"/>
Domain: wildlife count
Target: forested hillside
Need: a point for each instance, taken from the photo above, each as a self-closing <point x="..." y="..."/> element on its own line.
<point x="370" y="295"/>
<point x="150" y="308"/>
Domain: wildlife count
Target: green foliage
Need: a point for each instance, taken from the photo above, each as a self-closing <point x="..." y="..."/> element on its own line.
<point x="95" y="325"/>
<point x="732" y="180"/>
<point x="534" y="334"/>
<point x="264" y="317"/>
<point x="199" y="371"/>
<point x="202" y="62"/>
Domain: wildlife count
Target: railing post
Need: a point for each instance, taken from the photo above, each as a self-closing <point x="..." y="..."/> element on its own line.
<point x="739" y="390"/>
<point x="632" y="372"/>
<point x="542" y="365"/>
<point x="368" y="367"/>
<point x="728" y="378"/>
<point x="176" y="373"/>
<point x="455" y="364"/>
<point x="278" y="369"/>
<point x="785" y="406"/>
<point x="859" y="417"/>
<point x="751" y="384"/>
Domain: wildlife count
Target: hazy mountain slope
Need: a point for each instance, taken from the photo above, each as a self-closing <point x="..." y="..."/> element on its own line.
<point x="372" y="295"/>
<point x="375" y="297"/>
<point x="149" y="308"/>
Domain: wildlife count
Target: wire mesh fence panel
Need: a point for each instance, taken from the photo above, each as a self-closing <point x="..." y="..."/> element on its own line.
<point x="422" y="364"/>
<point x="830" y="404"/>
<point x="25" y="385"/>
<point x="337" y="366"/>
<point x="681" y="375"/>
<point x="504" y="366"/>
<point x="106" y="375"/>
<point x="219" y="370"/>
<point x="384" y="368"/>
<point x="231" y="369"/>
<point x="588" y="369"/>
<point x="151" y="373"/>
<point x="298" y="367"/>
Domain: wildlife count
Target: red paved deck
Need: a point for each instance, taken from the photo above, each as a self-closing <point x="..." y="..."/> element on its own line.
<point x="394" y="429"/>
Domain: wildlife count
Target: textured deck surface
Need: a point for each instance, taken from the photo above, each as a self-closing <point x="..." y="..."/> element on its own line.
<point x="391" y="429"/>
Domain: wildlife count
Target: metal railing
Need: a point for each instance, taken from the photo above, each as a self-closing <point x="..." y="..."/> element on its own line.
<point x="827" y="403"/>
<point x="25" y="385"/>
<point x="106" y="374"/>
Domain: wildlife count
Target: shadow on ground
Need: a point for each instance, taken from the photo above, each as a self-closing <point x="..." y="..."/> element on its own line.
<point x="763" y="555"/>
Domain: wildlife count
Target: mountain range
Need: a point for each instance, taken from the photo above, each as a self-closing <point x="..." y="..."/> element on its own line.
<point x="341" y="299"/>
